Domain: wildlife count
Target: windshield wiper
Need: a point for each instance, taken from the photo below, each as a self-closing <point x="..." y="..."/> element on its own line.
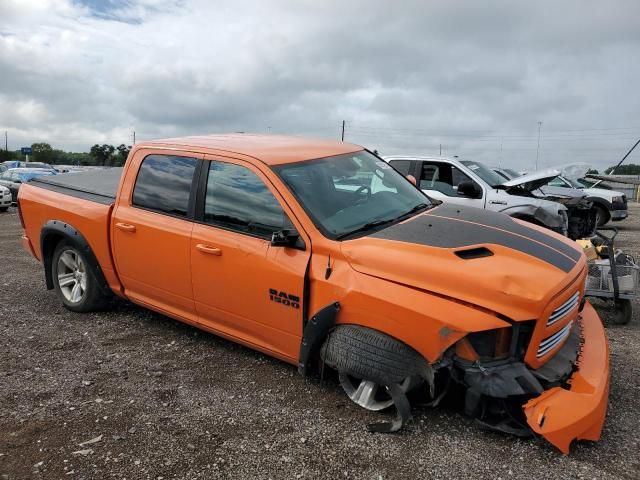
<point x="416" y="209"/>
<point x="378" y="223"/>
<point x="366" y="227"/>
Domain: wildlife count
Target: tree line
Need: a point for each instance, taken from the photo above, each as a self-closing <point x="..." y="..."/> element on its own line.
<point x="109" y="156"/>
<point x="99" y="155"/>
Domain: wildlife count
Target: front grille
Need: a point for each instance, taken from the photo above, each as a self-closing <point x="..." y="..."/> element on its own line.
<point x="554" y="340"/>
<point x="560" y="312"/>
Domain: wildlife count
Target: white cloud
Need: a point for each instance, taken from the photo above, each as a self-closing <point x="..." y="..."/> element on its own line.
<point x="407" y="77"/>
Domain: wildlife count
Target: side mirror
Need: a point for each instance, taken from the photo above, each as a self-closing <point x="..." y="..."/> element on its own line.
<point x="412" y="179"/>
<point x="469" y="189"/>
<point x="17" y="181"/>
<point x="286" y="238"/>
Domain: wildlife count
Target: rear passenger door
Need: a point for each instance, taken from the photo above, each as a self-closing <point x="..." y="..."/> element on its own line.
<point x="151" y="232"/>
<point x="243" y="287"/>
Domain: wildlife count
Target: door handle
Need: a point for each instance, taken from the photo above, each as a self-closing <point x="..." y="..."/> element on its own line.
<point x="126" y="227"/>
<point x="209" y="249"/>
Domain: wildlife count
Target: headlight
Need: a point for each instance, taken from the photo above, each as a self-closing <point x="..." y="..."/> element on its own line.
<point x="616" y="199"/>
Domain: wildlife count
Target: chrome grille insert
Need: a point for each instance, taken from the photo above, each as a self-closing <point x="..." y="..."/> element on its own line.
<point x="564" y="309"/>
<point x="554" y="340"/>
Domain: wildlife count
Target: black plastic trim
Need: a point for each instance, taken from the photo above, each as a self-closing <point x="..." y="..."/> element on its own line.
<point x="73" y="236"/>
<point x="315" y="332"/>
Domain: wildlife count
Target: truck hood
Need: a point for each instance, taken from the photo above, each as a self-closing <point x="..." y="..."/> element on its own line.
<point x="560" y="192"/>
<point x="532" y="181"/>
<point x="471" y="255"/>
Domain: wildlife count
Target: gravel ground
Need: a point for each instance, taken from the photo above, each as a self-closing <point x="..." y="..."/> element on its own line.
<point x="161" y="400"/>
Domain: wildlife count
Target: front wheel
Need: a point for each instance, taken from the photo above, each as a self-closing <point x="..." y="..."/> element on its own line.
<point x="602" y="215"/>
<point x="74" y="280"/>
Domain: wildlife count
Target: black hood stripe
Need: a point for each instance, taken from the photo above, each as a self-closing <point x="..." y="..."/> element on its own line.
<point x="505" y="222"/>
<point x="458" y="232"/>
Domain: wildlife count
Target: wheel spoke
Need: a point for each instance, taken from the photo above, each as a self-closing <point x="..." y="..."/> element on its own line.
<point x="66" y="279"/>
<point x="365" y="394"/>
<point x="76" y="293"/>
<point x="68" y="261"/>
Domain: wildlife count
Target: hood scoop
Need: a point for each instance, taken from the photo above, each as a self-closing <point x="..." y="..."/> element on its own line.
<point x="471" y="253"/>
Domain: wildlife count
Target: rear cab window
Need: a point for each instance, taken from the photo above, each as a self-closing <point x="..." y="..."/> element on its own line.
<point x="164" y="184"/>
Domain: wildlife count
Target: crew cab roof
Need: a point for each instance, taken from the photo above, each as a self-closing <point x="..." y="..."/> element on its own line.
<point x="270" y="149"/>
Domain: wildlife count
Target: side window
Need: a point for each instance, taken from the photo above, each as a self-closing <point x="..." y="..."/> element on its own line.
<point x="164" y="184"/>
<point x="442" y="177"/>
<point x="403" y="166"/>
<point x="238" y="200"/>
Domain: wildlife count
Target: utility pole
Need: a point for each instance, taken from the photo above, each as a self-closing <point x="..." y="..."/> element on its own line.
<point x="134" y="137"/>
<point x="538" y="149"/>
<point x="343" y="122"/>
<point x="500" y="160"/>
<point x="6" y="141"/>
<point x="440" y="149"/>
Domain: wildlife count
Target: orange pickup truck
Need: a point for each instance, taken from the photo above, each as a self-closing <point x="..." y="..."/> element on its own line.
<point x="321" y="254"/>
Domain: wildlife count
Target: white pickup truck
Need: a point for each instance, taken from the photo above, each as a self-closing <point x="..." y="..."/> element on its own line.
<point x="473" y="184"/>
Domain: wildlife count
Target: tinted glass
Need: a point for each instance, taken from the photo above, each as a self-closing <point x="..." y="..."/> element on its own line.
<point x="403" y="166"/>
<point x="238" y="200"/>
<point x="164" y="184"/>
<point x="345" y="193"/>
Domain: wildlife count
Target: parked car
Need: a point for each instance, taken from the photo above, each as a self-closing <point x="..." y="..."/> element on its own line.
<point x="610" y="204"/>
<point x="263" y="240"/>
<point x="3" y="168"/>
<point x="13" y="178"/>
<point x="581" y="212"/>
<point x="470" y="183"/>
<point x="5" y="198"/>
<point x="21" y="164"/>
<point x="607" y="204"/>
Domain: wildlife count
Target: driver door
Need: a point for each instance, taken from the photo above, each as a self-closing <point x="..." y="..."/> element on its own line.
<point x="244" y="287"/>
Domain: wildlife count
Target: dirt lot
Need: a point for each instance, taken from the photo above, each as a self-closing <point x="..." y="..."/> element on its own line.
<point x="167" y="401"/>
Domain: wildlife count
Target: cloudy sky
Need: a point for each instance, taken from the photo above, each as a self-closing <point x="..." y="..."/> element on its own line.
<point x="407" y="77"/>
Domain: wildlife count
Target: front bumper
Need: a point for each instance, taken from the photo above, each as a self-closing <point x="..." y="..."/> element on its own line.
<point x="576" y="413"/>
<point x="619" y="214"/>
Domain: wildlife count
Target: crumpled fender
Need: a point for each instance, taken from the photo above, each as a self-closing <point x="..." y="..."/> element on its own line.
<point x="547" y="217"/>
<point x="562" y="415"/>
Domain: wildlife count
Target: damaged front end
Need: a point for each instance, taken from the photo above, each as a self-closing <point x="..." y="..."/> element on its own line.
<point x="549" y="378"/>
<point x="582" y="217"/>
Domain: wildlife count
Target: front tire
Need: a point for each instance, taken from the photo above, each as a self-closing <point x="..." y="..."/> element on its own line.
<point x="602" y="215"/>
<point x="74" y="279"/>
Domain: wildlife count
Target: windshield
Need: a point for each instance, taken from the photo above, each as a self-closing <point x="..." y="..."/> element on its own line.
<point x="351" y="192"/>
<point x="484" y="172"/>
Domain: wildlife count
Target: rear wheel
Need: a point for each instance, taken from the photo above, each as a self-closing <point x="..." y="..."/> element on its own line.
<point x="74" y="279"/>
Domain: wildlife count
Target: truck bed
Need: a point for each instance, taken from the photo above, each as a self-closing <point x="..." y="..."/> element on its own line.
<point x="96" y="185"/>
